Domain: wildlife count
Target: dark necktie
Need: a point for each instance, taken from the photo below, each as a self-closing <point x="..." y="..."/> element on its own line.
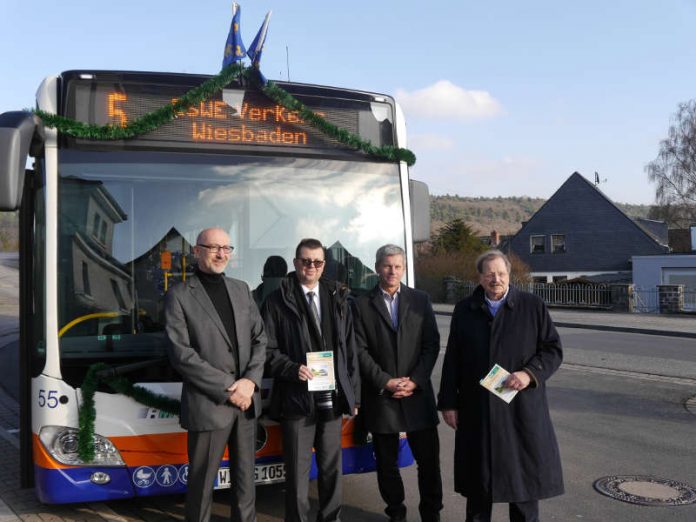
<point x="314" y="311"/>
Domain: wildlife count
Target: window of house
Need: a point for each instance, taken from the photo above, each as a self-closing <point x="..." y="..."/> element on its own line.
<point x="118" y="294"/>
<point x="559" y="279"/>
<point x="558" y="245"/>
<point x="95" y="227"/>
<point x="539" y="279"/>
<point x="85" y="279"/>
<point x="536" y="244"/>
<point x="102" y="234"/>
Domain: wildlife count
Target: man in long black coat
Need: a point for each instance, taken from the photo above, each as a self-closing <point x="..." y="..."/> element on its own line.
<point x="398" y="344"/>
<point x="503" y="452"/>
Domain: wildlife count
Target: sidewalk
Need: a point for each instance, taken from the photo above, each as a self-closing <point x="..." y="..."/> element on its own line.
<point x="651" y="324"/>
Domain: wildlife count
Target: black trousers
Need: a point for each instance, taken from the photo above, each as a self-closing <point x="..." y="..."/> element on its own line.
<point x="478" y="510"/>
<point x="425" y="446"/>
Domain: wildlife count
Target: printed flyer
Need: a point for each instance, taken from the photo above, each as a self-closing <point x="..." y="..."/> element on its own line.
<point x="495" y="383"/>
<point x="321" y="364"/>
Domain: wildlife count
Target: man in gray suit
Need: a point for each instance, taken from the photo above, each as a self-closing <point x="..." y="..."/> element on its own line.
<point x="398" y="344"/>
<point x="218" y="345"/>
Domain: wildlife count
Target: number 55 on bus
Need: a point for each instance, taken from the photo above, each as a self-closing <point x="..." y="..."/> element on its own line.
<point x="107" y="227"/>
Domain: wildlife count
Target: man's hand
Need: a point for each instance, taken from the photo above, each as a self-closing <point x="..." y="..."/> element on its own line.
<point x="393" y="385"/>
<point x="242" y="393"/>
<point x="450" y="418"/>
<point x="305" y="374"/>
<point x="518" y="381"/>
<point x="405" y="388"/>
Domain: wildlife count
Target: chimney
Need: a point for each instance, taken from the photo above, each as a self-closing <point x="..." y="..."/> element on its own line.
<point x="495" y="239"/>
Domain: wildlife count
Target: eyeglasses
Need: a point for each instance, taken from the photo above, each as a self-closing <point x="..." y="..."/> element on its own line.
<point x="225" y="249"/>
<point x="318" y="263"/>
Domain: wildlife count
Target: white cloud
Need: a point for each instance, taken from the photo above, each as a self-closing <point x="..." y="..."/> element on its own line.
<point x="426" y="141"/>
<point x="445" y="100"/>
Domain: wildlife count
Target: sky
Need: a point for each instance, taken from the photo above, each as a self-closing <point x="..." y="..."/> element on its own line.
<point x="502" y="98"/>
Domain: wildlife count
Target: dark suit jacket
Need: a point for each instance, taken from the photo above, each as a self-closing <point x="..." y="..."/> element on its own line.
<point x="385" y="353"/>
<point x="200" y="350"/>
<point x="289" y="341"/>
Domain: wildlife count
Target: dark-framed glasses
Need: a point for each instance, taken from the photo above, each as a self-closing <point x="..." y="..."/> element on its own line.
<point x="318" y="263"/>
<point x="225" y="249"/>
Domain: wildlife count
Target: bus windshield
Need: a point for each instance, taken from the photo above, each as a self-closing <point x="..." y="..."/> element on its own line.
<point x="128" y="222"/>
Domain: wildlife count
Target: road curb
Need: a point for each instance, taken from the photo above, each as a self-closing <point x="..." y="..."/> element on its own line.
<point x="610" y="328"/>
<point x="627" y="329"/>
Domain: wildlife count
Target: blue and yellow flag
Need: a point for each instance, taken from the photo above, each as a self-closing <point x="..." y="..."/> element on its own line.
<point x="256" y="47"/>
<point x="234" y="48"/>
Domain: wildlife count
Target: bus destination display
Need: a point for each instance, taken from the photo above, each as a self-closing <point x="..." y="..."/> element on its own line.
<point x="231" y="117"/>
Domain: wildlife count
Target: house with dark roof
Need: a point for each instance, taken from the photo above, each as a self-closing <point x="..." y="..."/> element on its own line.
<point x="580" y="232"/>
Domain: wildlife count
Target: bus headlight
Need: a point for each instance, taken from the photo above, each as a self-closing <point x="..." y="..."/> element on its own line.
<point x="61" y="443"/>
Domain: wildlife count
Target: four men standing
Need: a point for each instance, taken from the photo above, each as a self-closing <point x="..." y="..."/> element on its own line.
<point x="503" y="452"/>
<point x="399" y="344"/>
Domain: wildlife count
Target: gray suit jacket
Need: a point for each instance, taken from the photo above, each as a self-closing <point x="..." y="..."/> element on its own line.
<point x="200" y="350"/>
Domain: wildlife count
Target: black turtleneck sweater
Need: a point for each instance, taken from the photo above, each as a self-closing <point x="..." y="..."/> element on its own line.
<point x="216" y="289"/>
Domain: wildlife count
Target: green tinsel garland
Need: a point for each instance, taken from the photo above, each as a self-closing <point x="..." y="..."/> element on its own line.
<point x="88" y="413"/>
<point x="281" y="96"/>
<point x="155" y="119"/>
<point x="149" y="121"/>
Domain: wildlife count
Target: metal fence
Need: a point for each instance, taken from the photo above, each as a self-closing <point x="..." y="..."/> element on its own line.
<point x="584" y="295"/>
<point x="573" y="294"/>
<point x="646" y="300"/>
<point x="570" y="294"/>
<point x="690" y="300"/>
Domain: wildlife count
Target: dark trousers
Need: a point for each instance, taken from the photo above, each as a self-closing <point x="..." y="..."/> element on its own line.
<point x="478" y="510"/>
<point x="425" y="446"/>
<point x="299" y="436"/>
<point x="205" y="450"/>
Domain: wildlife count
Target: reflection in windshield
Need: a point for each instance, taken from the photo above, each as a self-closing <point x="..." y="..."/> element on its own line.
<point x="127" y="230"/>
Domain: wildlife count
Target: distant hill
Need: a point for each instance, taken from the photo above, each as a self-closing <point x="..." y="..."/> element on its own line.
<point x="483" y="214"/>
<point x="502" y="214"/>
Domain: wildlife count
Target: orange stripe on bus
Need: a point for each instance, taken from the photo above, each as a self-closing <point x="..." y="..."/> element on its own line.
<point x="170" y="448"/>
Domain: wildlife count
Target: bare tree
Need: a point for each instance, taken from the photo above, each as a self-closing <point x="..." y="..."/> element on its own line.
<point x="674" y="169"/>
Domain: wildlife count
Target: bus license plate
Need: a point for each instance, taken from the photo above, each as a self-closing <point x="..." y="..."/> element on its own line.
<point x="263" y="474"/>
<point x="269" y="473"/>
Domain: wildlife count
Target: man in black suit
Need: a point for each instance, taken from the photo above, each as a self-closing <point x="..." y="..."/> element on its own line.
<point x="398" y="344"/>
<point x="308" y="314"/>
<point x="216" y="342"/>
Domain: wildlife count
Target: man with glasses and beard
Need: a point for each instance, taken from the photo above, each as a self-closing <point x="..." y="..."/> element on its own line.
<point x="309" y="315"/>
<point x="216" y="342"/>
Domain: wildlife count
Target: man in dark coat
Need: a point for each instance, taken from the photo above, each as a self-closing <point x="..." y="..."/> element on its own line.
<point x="398" y="344"/>
<point x="503" y="452"/>
<point x="216" y="342"/>
<point x="308" y="315"/>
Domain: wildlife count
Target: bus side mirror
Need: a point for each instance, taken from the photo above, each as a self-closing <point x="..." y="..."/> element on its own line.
<point x="20" y="134"/>
<point x="420" y="210"/>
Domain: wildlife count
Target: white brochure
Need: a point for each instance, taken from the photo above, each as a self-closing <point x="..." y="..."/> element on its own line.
<point x="321" y="364"/>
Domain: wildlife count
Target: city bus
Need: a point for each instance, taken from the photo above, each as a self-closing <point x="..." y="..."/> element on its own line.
<point x="107" y="227"/>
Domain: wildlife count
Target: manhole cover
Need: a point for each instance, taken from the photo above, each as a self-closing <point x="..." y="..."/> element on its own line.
<point x="646" y="490"/>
